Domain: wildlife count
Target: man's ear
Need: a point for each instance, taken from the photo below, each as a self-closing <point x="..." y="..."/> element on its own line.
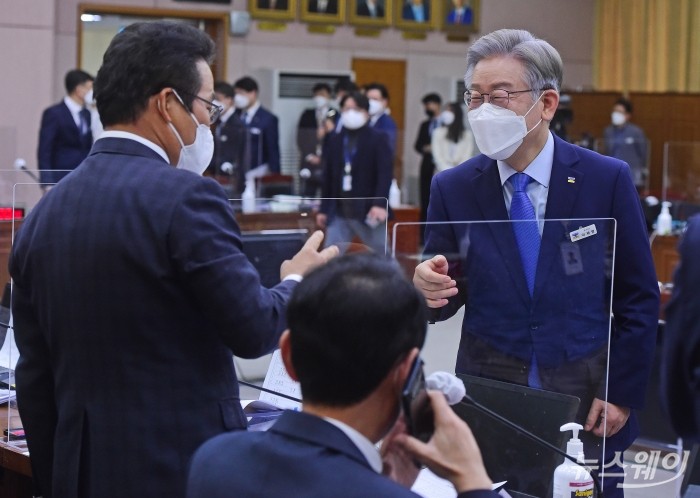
<point x="403" y="368"/>
<point x="163" y="103"/>
<point x="286" y="351"/>
<point x="550" y="99"/>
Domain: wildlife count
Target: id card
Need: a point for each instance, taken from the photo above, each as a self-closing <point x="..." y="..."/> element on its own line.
<point x="571" y="258"/>
<point x="347" y="183"/>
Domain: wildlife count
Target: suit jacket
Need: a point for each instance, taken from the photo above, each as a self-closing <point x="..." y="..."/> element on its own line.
<point x="387" y="125"/>
<point x="300" y="456"/>
<point x="565" y="322"/>
<point x="372" y="170"/>
<point x="263" y="144"/>
<point x="130" y="294"/>
<point x="229" y="143"/>
<point x="331" y="7"/>
<point x="363" y="10"/>
<point x="680" y="371"/>
<point x="466" y="16"/>
<point x="407" y="12"/>
<point x="61" y="145"/>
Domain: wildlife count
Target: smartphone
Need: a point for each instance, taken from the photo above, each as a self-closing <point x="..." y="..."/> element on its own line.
<point x="416" y="404"/>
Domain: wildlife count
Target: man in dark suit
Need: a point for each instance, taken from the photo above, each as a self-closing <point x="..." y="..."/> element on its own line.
<point x="229" y="138"/>
<point x="261" y="153"/>
<point x="65" y="136"/>
<point x="370" y="8"/>
<point x="380" y="119"/>
<point x="311" y="132"/>
<point x="352" y="384"/>
<point x="526" y="331"/>
<point x="431" y="103"/>
<point x="459" y="13"/>
<point x="416" y="10"/>
<point x="357" y="176"/>
<point x="323" y="6"/>
<point x="680" y="371"/>
<point x="131" y="291"/>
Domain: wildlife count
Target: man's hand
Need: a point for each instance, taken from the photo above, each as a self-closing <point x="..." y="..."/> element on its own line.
<point x="399" y="466"/>
<point x="377" y="214"/>
<point x="309" y="257"/>
<point x="606" y="424"/>
<point x="452" y="452"/>
<point x="430" y="277"/>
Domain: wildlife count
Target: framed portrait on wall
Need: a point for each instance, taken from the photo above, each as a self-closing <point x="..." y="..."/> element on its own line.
<point x="370" y="13"/>
<point x="416" y="14"/>
<point x="460" y="17"/>
<point x="323" y="11"/>
<point x="273" y="10"/>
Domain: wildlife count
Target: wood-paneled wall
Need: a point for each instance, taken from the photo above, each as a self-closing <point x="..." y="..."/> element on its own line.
<point x="664" y="117"/>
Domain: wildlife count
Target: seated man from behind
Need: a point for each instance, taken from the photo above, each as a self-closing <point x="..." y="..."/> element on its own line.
<point x="351" y="349"/>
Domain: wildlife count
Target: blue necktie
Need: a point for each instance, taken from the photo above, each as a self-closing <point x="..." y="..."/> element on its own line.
<point x="527" y="236"/>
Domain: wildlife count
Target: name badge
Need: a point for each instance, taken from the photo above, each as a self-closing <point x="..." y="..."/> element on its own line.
<point x="571" y="257"/>
<point x="582" y="233"/>
<point x="347" y="183"/>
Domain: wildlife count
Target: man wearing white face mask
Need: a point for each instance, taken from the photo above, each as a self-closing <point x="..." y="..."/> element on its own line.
<point x="380" y="119"/>
<point x="357" y="164"/>
<point x="132" y="291"/>
<point x="626" y="141"/>
<point x="522" y="329"/>
<point x="311" y="131"/>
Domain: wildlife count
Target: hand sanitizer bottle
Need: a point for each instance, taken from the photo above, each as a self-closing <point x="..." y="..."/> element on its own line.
<point x="571" y="479"/>
<point x="394" y="194"/>
<point x="664" y="223"/>
<point x="248" y="198"/>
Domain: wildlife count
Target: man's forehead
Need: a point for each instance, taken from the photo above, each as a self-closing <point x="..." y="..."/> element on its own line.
<point x="498" y="72"/>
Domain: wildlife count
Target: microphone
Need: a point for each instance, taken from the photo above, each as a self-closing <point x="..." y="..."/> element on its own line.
<point x="455" y="392"/>
<point x="21" y="165"/>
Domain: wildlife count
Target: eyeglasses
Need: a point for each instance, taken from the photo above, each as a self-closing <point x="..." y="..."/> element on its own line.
<point x="498" y="97"/>
<point x="215" y="110"/>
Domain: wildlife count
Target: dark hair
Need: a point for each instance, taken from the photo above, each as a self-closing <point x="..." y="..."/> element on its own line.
<point x="247" y="84"/>
<point x="455" y="130"/>
<point x="431" y="97"/>
<point x="625" y="103"/>
<point x="224" y="88"/>
<point x="321" y="86"/>
<point x="360" y="99"/>
<point x="76" y="77"/>
<point x="345" y="85"/>
<point x="350" y="321"/>
<point x="378" y="86"/>
<point x="144" y="58"/>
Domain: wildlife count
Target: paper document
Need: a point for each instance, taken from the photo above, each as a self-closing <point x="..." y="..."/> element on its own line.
<point x="429" y="485"/>
<point x="279" y="381"/>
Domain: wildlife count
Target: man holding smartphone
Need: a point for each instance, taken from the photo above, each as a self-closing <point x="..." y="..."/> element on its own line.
<point x="352" y="351"/>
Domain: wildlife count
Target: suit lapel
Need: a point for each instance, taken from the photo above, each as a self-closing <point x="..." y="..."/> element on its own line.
<point x="67" y="118"/>
<point x="564" y="185"/>
<point x="489" y="197"/>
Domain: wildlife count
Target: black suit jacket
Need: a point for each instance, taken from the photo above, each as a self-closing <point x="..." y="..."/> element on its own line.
<point x="363" y="10"/>
<point x="61" y="145"/>
<point x="262" y="143"/>
<point x="300" y="456"/>
<point x="229" y="143"/>
<point x="331" y="7"/>
<point x="130" y="294"/>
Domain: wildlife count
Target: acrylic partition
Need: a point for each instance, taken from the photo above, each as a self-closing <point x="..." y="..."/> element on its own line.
<point x="533" y="349"/>
<point x="681" y="181"/>
<point x="635" y="151"/>
<point x="275" y="229"/>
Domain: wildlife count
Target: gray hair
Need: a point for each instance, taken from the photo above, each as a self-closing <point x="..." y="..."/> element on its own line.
<point x="543" y="66"/>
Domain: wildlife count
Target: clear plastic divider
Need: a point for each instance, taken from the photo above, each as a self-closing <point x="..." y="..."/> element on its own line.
<point x="681" y="181"/>
<point x="535" y="352"/>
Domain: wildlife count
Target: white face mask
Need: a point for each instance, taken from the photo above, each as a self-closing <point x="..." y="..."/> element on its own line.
<point x="89" y="98"/>
<point x="447" y="117"/>
<point x="617" y="118"/>
<point x="196" y="156"/>
<point x="375" y="107"/>
<point x="499" y="131"/>
<point x="320" y="102"/>
<point x="352" y="119"/>
<point x="241" y="101"/>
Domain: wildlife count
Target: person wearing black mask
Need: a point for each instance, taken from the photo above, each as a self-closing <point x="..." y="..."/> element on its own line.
<point x="358" y="165"/>
<point x="431" y="103"/>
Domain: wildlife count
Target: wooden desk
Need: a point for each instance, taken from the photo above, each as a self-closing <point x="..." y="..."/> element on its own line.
<point x="15" y="469"/>
<point x="665" y="254"/>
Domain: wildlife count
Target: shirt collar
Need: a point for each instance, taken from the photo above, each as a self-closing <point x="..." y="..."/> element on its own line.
<point x="227" y="114"/>
<point x="137" y="138"/>
<point x="368" y="450"/>
<point x="251" y="112"/>
<point x="540" y="169"/>
<point x="73" y="106"/>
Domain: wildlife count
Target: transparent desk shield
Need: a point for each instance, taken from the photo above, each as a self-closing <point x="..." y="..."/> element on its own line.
<point x="538" y="358"/>
<point x="632" y="148"/>
<point x="681" y="180"/>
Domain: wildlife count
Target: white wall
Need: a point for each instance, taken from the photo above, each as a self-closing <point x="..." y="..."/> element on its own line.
<point x="40" y="44"/>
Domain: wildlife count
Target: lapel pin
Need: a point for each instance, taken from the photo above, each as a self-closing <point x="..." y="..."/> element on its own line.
<point x="571" y="179"/>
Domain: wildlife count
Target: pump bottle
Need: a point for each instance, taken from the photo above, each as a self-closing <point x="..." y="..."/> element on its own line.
<point x="248" y="198"/>
<point x="394" y="194"/>
<point x="572" y="480"/>
<point x="664" y="221"/>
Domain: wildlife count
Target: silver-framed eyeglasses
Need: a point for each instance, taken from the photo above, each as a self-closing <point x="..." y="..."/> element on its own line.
<point x="498" y="97"/>
<point x="215" y="110"/>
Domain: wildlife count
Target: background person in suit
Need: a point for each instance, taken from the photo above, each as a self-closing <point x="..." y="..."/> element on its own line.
<point x="416" y="10"/>
<point x="379" y="117"/>
<point x="460" y="13"/>
<point x="352" y="383"/>
<point x="229" y="135"/>
<point x="261" y="154"/>
<point x="680" y="371"/>
<point x="370" y="8"/>
<point x="124" y="372"/>
<point x="627" y="142"/>
<point x="311" y="132"/>
<point x="431" y="104"/>
<point x="357" y="164"/>
<point x="513" y="76"/>
<point x="65" y="136"/>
